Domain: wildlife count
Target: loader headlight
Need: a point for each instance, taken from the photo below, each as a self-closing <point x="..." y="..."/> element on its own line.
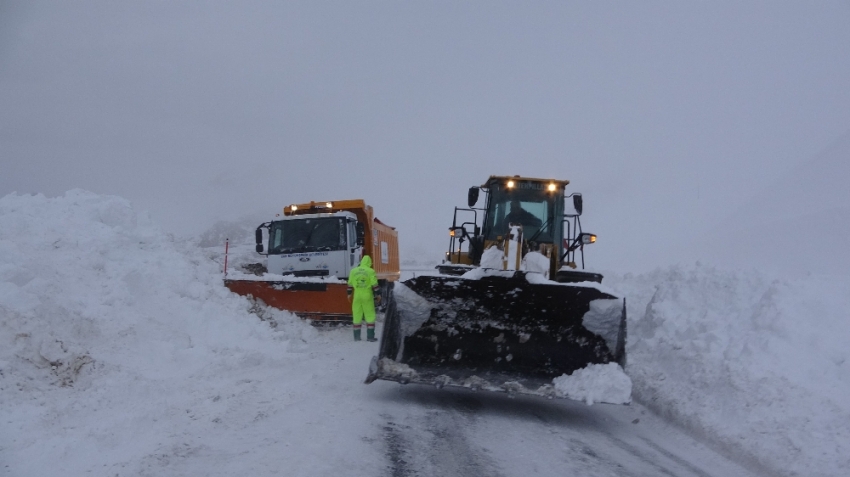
<point x="587" y="238"/>
<point x="552" y="187"/>
<point x="451" y="233"/>
<point x="293" y="207"/>
<point x="511" y="184"/>
<point x="329" y="205"/>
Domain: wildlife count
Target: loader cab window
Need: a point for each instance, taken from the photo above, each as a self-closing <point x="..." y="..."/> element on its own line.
<point x="307" y="235"/>
<point x="530" y="208"/>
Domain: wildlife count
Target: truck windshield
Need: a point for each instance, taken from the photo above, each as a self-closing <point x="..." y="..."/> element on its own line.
<point x="530" y="208"/>
<point x="307" y="235"/>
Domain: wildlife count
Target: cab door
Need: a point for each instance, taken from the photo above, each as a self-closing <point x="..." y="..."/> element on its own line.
<point x="355" y="249"/>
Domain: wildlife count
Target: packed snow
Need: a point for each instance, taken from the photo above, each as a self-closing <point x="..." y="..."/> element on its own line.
<point x="492" y="258"/>
<point x="596" y="383"/>
<point x="536" y="262"/>
<point x="758" y="364"/>
<point x="604" y="318"/>
<point x="122" y="353"/>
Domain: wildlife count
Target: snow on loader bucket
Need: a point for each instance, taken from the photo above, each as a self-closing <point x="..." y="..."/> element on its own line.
<point x="504" y="331"/>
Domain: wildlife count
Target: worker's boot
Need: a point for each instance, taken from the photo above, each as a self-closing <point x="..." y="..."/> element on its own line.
<point x="370" y="333"/>
<point x="357" y="333"/>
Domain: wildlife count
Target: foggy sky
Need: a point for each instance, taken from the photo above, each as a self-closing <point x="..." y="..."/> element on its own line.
<point x="669" y="117"/>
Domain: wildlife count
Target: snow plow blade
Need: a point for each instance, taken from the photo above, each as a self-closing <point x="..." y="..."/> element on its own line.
<point x="500" y="332"/>
<point x="316" y="301"/>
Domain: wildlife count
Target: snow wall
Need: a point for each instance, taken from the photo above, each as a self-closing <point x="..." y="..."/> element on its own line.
<point x="756" y="364"/>
<point x="94" y="297"/>
<point x="110" y="330"/>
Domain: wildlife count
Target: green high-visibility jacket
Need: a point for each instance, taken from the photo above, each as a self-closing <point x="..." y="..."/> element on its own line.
<point x="362" y="278"/>
<point x="363" y="282"/>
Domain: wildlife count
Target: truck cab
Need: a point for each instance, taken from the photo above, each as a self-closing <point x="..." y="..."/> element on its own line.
<point x="328" y="239"/>
<point x="315" y="245"/>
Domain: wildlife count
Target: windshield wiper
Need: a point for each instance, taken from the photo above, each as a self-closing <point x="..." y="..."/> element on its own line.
<point x="540" y="230"/>
<point x="310" y="235"/>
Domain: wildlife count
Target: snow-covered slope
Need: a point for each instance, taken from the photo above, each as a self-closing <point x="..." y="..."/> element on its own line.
<point x="755" y="363"/>
<point x="120" y="349"/>
<point x="111" y="332"/>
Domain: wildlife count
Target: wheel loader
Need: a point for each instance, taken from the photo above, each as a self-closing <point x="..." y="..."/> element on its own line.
<point x="509" y="309"/>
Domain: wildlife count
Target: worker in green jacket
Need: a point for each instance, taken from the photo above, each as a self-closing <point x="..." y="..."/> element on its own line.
<point x="363" y="296"/>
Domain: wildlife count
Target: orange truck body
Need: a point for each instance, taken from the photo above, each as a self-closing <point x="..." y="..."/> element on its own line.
<point x="325" y="299"/>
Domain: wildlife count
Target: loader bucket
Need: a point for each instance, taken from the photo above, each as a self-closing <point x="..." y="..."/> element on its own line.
<point x="497" y="332"/>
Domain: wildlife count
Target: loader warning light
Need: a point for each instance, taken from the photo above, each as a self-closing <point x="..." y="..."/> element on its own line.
<point x="452" y="233"/>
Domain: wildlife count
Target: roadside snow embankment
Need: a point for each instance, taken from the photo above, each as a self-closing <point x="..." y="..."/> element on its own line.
<point x="757" y="364"/>
<point x="105" y="319"/>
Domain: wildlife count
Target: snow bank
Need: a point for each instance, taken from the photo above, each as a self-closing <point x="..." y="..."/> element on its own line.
<point x="756" y="363"/>
<point x="596" y="383"/>
<point x="98" y="309"/>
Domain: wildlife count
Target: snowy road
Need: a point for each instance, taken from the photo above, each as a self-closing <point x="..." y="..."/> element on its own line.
<point x="454" y="433"/>
<point x="422" y="431"/>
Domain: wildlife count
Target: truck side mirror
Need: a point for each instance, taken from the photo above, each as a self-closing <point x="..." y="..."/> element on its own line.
<point x="361" y="234"/>
<point x="472" y="198"/>
<point x="258" y="237"/>
<point x="577" y="203"/>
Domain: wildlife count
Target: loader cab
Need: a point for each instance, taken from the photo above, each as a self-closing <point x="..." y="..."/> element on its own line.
<point x="534" y="209"/>
<point x="536" y="204"/>
<point x="549" y="218"/>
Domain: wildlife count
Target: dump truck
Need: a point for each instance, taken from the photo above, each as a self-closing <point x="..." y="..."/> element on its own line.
<point x="511" y="306"/>
<point x="310" y="251"/>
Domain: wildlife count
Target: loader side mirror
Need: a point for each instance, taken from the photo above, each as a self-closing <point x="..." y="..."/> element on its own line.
<point x="577" y="203"/>
<point x="472" y="198"/>
<point x="361" y="234"/>
<point x="258" y="237"/>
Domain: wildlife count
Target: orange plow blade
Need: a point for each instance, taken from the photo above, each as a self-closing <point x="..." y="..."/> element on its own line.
<point x="317" y="301"/>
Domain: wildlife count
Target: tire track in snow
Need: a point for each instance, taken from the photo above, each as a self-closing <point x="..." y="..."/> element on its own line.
<point x="436" y="443"/>
<point x="680" y="467"/>
<point x="461" y="433"/>
<point x="677" y="459"/>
